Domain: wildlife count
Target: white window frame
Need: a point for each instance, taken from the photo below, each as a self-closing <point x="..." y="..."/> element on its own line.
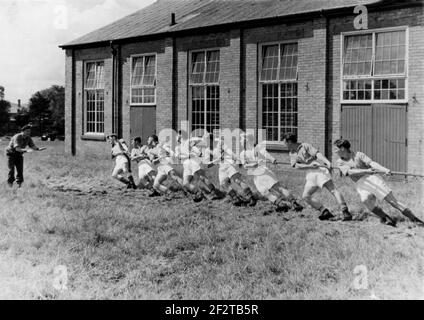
<point x="278" y="143"/>
<point x="372" y="78"/>
<point x="204" y="85"/>
<point x="85" y="89"/>
<point x="141" y="87"/>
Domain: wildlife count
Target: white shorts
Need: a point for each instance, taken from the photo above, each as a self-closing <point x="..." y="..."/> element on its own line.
<point x="318" y="177"/>
<point x="144" y="169"/>
<point x="164" y="169"/>
<point x="372" y="185"/>
<point x="226" y="171"/>
<point x="265" y="181"/>
<point x="121" y="166"/>
<point x="191" y="166"/>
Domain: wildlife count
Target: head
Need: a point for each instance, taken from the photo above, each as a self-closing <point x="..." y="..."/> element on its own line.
<point x="342" y="148"/>
<point x="137" y="142"/>
<point x="112" y="138"/>
<point x="153" y="140"/>
<point x="290" y="140"/>
<point x="26" y="130"/>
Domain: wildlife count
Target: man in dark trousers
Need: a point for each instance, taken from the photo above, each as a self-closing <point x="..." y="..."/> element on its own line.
<point x="14" y="152"/>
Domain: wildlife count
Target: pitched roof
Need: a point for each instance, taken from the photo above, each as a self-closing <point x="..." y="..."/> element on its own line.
<point x="193" y="14"/>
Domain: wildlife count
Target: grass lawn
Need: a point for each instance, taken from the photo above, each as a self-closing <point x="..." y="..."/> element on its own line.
<point x="119" y="244"/>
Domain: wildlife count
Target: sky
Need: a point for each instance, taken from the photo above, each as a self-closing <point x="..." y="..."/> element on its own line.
<point x="32" y="30"/>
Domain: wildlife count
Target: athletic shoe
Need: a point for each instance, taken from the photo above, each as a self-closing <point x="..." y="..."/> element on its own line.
<point x="326" y="215"/>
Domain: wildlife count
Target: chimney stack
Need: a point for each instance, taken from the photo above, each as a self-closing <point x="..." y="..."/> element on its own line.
<point x="173" y="19"/>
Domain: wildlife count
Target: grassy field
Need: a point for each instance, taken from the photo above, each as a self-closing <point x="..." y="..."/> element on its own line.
<point x="119" y="244"/>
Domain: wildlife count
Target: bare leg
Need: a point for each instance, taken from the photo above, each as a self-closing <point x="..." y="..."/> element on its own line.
<point x="158" y="184"/>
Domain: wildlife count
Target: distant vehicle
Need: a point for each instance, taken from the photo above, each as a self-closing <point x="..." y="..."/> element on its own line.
<point x="49" y="136"/>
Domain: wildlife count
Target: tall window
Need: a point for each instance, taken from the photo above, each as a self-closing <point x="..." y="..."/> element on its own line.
<point x="278" y="82"/>
<point x="143" y="80"/>
<point x="374" y="66"/>
<point x="204" y="86"/>
<point x="94" y="97"/>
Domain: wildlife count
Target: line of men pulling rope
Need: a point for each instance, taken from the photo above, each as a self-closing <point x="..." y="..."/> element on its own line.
<point x="157" y="163"/>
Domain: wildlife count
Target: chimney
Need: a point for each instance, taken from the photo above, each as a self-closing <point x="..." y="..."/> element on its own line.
<point x="173" y="23"/>
<point x="19" y="103"/>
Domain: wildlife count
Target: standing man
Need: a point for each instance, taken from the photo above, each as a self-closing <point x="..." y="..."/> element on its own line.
<point x="14" y="152"/>
<point x="122" y="161"/>
<point x="303" y="156"/>
<point x="365" y="174"/>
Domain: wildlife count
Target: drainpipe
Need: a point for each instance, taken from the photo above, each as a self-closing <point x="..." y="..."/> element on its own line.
<point x="73" y="107"/>
<point x="115" y="125"/>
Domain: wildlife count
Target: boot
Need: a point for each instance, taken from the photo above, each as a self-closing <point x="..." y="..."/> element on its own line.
<point x="296" y="206"/>
<point x="326" y="215"/>
<point x="251" y="201"/>
<point x="346" y="215"/>
<point x="384" y="218"/>
<point x="154" y="193"/>
<point x="408" y="213"/>
<point x="132" y="183"/>
<point x="215" y="194"/>
<point x="235" y="200"/>
<point x="198" y="196"/>
<point x="281" y="205"/>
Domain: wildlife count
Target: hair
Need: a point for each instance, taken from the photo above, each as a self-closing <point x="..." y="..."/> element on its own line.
<point x="290" y="137"/>
<point x="342" y="143"/>
<point x="154" y="137"/>
<point x="137" y="139"/>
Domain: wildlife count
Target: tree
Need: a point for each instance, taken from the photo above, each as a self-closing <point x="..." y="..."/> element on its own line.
<point x="4" y="115"/>
<point x="56" y="95"/>
<point x="1" y="93"/>
<point x="39" y="109"/>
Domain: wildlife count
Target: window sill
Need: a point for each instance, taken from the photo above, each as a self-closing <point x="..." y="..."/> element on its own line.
<point x="276" y="146"/>
<point x="93" y="137"/>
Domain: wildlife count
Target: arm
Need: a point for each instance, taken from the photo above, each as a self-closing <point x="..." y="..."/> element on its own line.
<point x="262" y="151"/>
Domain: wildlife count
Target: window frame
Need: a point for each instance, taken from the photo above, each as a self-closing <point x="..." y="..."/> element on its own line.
<point x="373" y="77"/>
<point x="142" y="55"/>
<point x="280" y="145"/>
<point x="88" y="134"/>
<point x="204" y="85"/>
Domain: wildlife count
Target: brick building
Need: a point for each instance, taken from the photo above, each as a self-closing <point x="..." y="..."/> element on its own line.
<point x="279" y="65"/>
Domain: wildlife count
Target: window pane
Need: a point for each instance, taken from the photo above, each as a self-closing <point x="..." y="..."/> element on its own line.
<point x="90" y="75"/>
<point x="357" y="56"/>
<point x="149" y="71"/>
<point x="288" y="107"/>
<point x="269" y="63"/>
<point x="288" y="66"/>
<point x="212" y="67"/>
<point x="270" y="111"/>
<point x="137" y="71"/>
<point x="197" y="67"/>
<point x="390" y="53"/>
